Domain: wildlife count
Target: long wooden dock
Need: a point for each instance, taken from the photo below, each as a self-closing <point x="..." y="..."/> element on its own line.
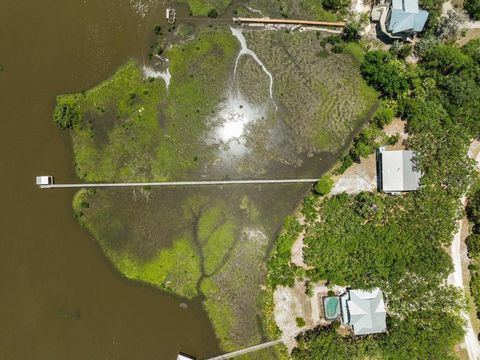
<point x="267" y="20"/>
<point x="246" y="350"/>
<point x="178" y="183"/>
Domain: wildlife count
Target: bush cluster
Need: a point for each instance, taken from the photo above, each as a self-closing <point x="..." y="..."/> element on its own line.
<point x="66" y="114"/>
<point x="473" y="247"/>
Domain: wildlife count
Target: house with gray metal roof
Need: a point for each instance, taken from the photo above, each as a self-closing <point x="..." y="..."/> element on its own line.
<point x="364" y="311"/>
<point x="400" y="19"/>
<point x="398" y="173"/>
<point x="405" y="17"/>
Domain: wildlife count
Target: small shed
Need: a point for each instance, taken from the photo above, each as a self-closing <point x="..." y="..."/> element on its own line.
<point x="398" y="173"/>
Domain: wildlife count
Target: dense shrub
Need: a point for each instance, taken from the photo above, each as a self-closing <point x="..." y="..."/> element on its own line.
<point x="324" y="185"/>
<point x="66" y="114"/>
<point x="473" y="208"/>
<point x="281" y="271"/>
<point x="392" y="140"/>
<point x="473" y="245"/>
<point x="473" y="9"/>
<point x="472" y="49"/>
<point x="385" y="73"/>
<point x="351" y="31"/>
<point x="364" y="144"/>
<point x="335" y="5"/>
<point x="212" y="13"/>
<point x="383" y="116"/>
<point x="446" y="60"/>
<point x="425" y="44"/>
<point x="300" y="321"/>
<point x="346" y="162"/>
<point x="475" y="290"/>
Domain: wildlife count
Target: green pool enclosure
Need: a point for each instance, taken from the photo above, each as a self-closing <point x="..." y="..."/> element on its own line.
<point x="331" y="305"/>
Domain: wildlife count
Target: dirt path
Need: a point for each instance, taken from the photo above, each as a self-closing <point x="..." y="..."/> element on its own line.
<point x="456" y="278"/>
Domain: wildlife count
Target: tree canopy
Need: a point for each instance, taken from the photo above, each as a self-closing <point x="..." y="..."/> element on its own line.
<point x="397" y="243"/>
<point x="473" y="8"/>
<point x="385" y="73"/>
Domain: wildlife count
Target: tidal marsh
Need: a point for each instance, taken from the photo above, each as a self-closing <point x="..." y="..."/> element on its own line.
<point x="213" y="243"/>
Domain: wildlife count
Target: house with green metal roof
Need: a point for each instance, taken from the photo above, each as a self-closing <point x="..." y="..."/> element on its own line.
<point x="364" y="311"/>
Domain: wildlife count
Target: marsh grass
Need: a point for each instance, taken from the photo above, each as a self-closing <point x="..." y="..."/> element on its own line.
<point x="252" y="81"/>
<point x="324" y="97"/>
<point x="132" y="129"/>
<point x="203" y="7"/>
<point x="299" y="9"/>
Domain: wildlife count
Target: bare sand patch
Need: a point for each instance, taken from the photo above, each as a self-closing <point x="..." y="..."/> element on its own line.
<point x="397" y="126"/>
<point x="358" y="177"/>
<point x="292" y="303"/>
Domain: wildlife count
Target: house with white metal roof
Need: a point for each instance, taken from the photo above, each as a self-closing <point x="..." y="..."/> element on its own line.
<point x="398" y="173"/>
<point x="364" y="311"/>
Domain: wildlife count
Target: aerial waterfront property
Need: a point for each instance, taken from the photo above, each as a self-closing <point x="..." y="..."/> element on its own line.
<point x="224" y="155"/>
<point x="245" y="122"/>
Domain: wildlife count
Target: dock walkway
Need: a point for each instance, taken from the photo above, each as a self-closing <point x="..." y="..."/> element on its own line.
<point x="246" y="350"/>
<point x="178" y="183"/>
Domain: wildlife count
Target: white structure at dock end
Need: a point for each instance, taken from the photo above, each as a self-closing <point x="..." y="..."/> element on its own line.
<point x="44" y="180"/>
<point x="184" y="357"/>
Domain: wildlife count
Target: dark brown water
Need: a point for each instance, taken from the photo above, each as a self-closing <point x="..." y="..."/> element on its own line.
<point x="59" y="297"/>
